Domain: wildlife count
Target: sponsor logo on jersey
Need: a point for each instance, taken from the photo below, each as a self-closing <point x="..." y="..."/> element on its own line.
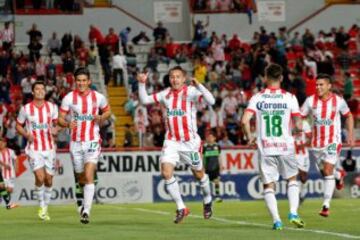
<point x="83" y="117"/>
<point x="326" y="122"/>
<point x="267" y="144"/>
<point x="175" y="113"/>
<point x="39" y="126"/>
<point x="274" y="96"/>
<point x="265" y="106"/>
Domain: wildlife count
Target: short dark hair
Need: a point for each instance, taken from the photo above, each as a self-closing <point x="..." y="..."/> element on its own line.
<point x="324" y="76"/>
<point x="178" y="68"/>
<point x="37" y="82"/>
<point x="274" y="72"/>
<point x="82" y="71"/>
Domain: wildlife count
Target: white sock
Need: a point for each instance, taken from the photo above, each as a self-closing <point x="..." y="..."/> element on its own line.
<point x="89" y="191"/>
<point x="293" y="196"/>
<point x="47" y="195"/>
<point x="205" y="187"/>
<point x="337" y="175"/>
<point x="39" y="191"/>
<point x="172" y="187"/>
<point x="329" y="187"/>
<point x="271" y="203"/>
<point x="303" y="190"/>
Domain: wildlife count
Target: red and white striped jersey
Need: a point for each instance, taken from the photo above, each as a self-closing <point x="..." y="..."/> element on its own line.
<point x="300" y="139"/>
<point x="83" y="109"/>
<point x="326" y="118"/>
<point x="8" y="157"/>
<point x="274" y="108"/>
<point x="180" y="110"/>
<point x="38" y="121"/>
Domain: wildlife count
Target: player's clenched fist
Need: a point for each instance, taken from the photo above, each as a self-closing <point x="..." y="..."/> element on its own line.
<point x="141" y="77"/>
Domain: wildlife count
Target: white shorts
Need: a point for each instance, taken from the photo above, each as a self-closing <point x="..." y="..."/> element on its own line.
<point x="271" y="167"/>
<point x="303" y="162"/>
<point x="189" y="152"/>
<point x="40" y="159"/>
<point x="84" y="152"/>
<point x="9" y="182"/>
<point x="330" y="154"/>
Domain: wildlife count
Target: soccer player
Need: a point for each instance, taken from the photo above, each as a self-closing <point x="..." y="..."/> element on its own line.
<point x="182" y="142"/>
<point x="40" y="117"/>
<point x="212" y="162"/>
<point x="326" y="107"/>
<point x="88" y="109"/>
<point x="274" y="108"/>
<point x="302" y="141"/>
<point x="7" y="173"/>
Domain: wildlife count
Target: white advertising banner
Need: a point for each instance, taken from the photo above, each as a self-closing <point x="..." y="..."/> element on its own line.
<point x="168" y="12"/>
<point x="271" y="11"/>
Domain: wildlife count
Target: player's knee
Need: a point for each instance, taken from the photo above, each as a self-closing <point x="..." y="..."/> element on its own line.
<point x="303" y="177"/>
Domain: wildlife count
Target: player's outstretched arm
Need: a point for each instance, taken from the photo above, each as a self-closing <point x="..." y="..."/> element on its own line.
<point x="350" y="128"/>
<point x="143" y="96"/>
<point x="207" y="95"/>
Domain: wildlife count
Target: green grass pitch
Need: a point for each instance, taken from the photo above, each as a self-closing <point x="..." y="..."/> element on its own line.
<point x="232" y="220"/>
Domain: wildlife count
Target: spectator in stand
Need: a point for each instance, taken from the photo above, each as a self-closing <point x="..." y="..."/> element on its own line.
<point x="200" y="70"/>
<point x="140" y="38"/>
<point x="171" y="48"/>
<point x="112" y="39"/>
<point x="296" y="42"/>
<point x="7" y="37"/>
<point x="159" y="136"/>
<point x="92" y="55"/>
<point x="66" y="42"/>
<point x="95" y="35"/>
<point x="128" y="140"/>
<point x="118" y="68"/>
<point x="3" y="113"/>
<point x="263" y="37"/>
<point x="199" y="28"/>
<point x="200" y="5"/>
<point x="5" y="90"/>
<point x="4" y="62"/>
<point x="34" y="50"/>
<point x="53" y="45"/>
<point x="344" y="60"/>
<point x="348" y="86"/>
<point x="308" y="39"/>
<point x="34" y="34"/>
<point x="82" y="54"/>
<point x="68" y="63"/>
<point x="36" y="4"/>
<point x="180" y="55"/>
<point x="11" y="133"/>
<point x="124" y="37"/>
<point x="342" y="38"/>
<point x="141" y="122"/>
<point x="225" y="141"/>
<point x="50" y="4"/>
<point x="77" y="43"/>
<point x="26" y="85"/>
<point x="234" y="43"/>
<point x="105" y="57"/>
<point x="218" y="50"/>
<point x="40" y="69"/>
<point x="160" y="32"/>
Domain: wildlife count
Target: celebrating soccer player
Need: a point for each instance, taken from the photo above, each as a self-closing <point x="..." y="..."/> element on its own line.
<point x="182" y="142"/>
<point x="274" y="108"/>
<point x="40" y="118"/>
<point x="326" y="107"/>
<point x="84" y="106"/>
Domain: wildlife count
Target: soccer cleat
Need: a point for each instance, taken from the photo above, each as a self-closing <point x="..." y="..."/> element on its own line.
<point x="207" y="210"/>
<point x="296" y="220"/>
<point x="181" y="214"/>
<point x="277" y="225"/>
<point x="325" y="212"/>
<point x="43" y="213"/>
<point x="11" y="206"/>
<point x="340" y="182"/>
<point x="84" y="219"/>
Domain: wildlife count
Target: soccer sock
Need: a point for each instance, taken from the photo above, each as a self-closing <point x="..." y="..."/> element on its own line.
<point x="293" y="196"/>
<point x="329" y="187"/>
<point x="39" y="191"/>
<point x="79" y="194"/>
<point x="303" y="190"/>
<point x="217" y="189"/>
<point x="271" y="203"/>
<point x="6" y="196"/>
<point x="47" y="195"/>
<point x="172" y="187"/>
<point x="205" y="187"/>
<point x="89" y="190"/>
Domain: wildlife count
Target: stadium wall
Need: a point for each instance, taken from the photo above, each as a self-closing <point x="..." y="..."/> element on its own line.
<point x="134" y="177"/>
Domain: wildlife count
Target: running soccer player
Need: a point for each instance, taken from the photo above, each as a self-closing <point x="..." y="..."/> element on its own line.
<point x="212" y="162"/>
<point x="274" y="108"/>
<point x="40" y="117"/>
<point x="326" y="107"/>
<point x="302" y="142"/>
<point x="7" y="173"/>
<point x="182" y="142"/>
<point x="84" y="106"/>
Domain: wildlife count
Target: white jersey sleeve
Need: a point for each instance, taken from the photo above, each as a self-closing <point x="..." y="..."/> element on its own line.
<point x="103" y="103"/>
<point x="343" y="107"/>
<point x="22" y="116"/>
<point x="200" y="93"/>
<point x="306" y="107"/>
<point x="306" y="127"/>
<point x="149" y="99"/>
<point x="252" y="104"/>
<point x="65" y="104"/>
<point x="55" y="113"/>
<point x="294" y="106"/>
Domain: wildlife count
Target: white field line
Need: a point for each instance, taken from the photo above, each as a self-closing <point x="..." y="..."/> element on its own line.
<point x="224" y="220"/>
